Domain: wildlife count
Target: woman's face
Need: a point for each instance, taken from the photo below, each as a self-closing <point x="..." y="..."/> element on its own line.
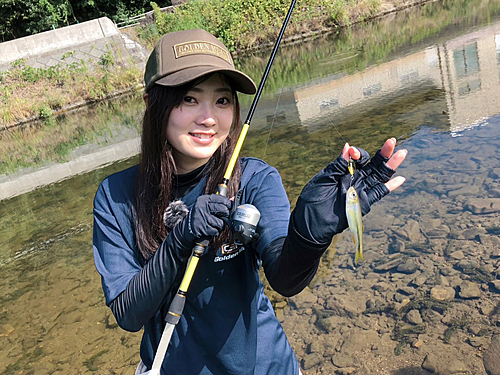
<point x="202" y="121"/>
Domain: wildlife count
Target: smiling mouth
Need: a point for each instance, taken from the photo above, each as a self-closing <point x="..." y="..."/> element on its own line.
<point x="201" y="136"/>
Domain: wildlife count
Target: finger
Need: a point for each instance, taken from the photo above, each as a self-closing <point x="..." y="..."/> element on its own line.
<point x="395" y="183"/>
<point x="345" y="152"/>
<point x="354" y="153"/>
<point x="215" y="225"/>
<point x="395" y="161"/>
<point x="216" y="199"/>
<point x="350" y="153"/>
<point x="218" y="209"/>
<point x="388" y="147"/>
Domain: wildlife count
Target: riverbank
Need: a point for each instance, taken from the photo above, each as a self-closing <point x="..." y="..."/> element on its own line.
<point x="60" y="135"/>
<point x="29" y="94"/>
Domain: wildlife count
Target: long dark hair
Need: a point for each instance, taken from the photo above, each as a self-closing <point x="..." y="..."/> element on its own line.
<point x="157" y="167"/>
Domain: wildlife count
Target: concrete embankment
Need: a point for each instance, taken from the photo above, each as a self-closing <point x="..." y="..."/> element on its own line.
<point x="86" y="41"/>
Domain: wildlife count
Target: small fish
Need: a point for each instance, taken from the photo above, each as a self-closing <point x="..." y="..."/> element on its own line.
<point x="353" y="213"/>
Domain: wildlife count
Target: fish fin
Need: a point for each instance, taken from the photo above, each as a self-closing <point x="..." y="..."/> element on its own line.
<point x="359" y="255"/>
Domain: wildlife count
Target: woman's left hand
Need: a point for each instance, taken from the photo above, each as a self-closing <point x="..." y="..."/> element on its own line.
<point x="387" y="152"/>
<point x="320" y="210"/>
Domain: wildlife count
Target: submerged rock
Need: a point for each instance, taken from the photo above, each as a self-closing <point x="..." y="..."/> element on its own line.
<point x="408" y="267"/>
<point x="443" y="293"/>
<point x="483" y="205"/>
<point x="413" y="317"/>
<point x="343" y="360"/>
<point x="491" y="358"/>
<point x="303" y="300"/>
<point x="311" y="360"/>
<point x="443" y="364"/>
<point x="410" y="231"/>
<point x="6" y="329"/>
<point x="386" y="266"/>
<point x="468" y="290"/>
<point x="495" y="285"/>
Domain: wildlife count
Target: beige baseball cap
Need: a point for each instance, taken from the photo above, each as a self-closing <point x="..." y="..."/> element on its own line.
<point x="182" y="56"/>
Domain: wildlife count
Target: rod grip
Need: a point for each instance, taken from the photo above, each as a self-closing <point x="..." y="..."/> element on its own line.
<point x="175" y="309"/>
<point x="200" y="246"/>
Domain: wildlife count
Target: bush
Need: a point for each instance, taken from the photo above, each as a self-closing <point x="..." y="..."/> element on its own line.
<point x="23" y="18"/>
<point x="243" y="24"/>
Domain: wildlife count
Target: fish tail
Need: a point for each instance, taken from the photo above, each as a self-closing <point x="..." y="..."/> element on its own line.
<point x="359" y="254"/>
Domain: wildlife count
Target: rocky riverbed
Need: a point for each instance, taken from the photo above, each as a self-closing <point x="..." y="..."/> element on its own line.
<point x="426" y="299"/>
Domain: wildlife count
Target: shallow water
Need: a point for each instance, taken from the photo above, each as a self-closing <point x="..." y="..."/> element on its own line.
<point x="435" y="88"/>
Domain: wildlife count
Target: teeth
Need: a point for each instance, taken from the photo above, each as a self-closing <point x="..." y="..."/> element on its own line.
<point x="202" y="136"/>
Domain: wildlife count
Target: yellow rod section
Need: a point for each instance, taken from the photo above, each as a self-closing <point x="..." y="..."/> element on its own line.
<point x="236" y="152"/>
<point x="186" y="280"/>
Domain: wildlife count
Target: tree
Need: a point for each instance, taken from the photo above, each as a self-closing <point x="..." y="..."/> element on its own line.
<point x="23" y="18"/>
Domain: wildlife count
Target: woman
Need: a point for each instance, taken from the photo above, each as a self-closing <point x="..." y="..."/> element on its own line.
<point x="149" y="217"/>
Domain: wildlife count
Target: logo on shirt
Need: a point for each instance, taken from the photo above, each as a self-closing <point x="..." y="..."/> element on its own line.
<point x="228" y="251"/>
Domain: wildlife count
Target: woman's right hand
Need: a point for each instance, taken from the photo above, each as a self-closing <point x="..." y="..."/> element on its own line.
<point x="204" y="220"/>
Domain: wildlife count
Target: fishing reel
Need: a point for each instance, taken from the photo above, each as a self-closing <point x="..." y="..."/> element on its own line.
<point x="243" y="222"/>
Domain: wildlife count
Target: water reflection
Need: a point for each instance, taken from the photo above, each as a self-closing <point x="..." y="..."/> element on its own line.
<point x="460" y="67"/>
<point x="471" y="76"/>
<point x="42" y="153"/>
<point x="444" y="221"/>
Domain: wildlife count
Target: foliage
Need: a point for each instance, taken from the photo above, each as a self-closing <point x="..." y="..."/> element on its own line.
<point x="455" y="325"/>
<point x="357" y="47"/>
<point x="23" y="18"/>
<point x="235" y="21"/>
<point x="24" y="89"/>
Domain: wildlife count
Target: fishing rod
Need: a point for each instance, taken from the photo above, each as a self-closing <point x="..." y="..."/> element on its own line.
<point x="246" y="228"/>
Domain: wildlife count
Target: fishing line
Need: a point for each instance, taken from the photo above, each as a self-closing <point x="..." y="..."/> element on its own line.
<point x="176" y="306"/>
<point x="272" y="123"/>
<point x="337" y="130"/>
<point x="351" y="164"/>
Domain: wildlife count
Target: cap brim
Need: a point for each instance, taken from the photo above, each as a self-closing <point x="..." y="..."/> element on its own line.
<point x="238" y="80"/>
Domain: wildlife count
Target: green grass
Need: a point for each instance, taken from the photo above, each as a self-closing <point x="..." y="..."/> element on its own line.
<point x="247" y="24"/>
<point x="35" y="93"/>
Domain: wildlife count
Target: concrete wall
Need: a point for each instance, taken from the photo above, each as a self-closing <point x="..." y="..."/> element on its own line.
<point x="48" y="41"/>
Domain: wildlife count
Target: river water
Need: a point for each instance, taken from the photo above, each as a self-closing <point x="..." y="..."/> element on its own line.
<point x="429" y="77"/>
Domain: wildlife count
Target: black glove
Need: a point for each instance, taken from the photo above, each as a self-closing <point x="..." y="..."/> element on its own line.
<point x="159" y="279"/>
<point x="204" y="220"/>
<point x="320" y="210"/>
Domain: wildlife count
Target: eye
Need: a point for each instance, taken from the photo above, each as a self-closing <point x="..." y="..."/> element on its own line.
<point x="189" y="99"/>
<point x="223" y="101"/>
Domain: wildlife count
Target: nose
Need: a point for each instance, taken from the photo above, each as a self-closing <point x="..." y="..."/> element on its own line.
<point x="206" y="115"/>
